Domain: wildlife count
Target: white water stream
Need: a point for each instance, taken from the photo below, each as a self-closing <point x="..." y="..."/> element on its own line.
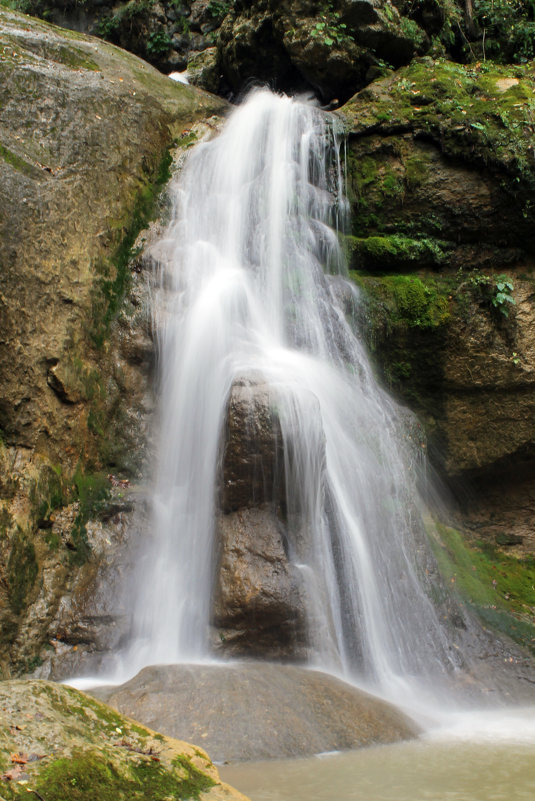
<point x="245" y="291"/>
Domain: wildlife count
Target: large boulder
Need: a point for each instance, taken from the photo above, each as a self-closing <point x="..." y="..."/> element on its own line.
<point x="443" y="153"/>
<point x="58" y="743"/>
<point x="253" y="458"/>
<point x="258" y="710"/>
<point x="258" y="609"/>
<point x="85" y="132"/>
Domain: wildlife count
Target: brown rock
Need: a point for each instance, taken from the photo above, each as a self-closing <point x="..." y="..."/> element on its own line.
<point x="252" y="472"/>
<point x="84" y="129"/>
<point x="258" y="610"/>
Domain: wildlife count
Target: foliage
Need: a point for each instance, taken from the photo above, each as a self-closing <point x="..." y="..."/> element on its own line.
<point x="508" y="27"/>
<point x="329" y="29"/>
<point x="158" y="43"/>
<point x="219" y="8"/>
<point x="496" y="292"/>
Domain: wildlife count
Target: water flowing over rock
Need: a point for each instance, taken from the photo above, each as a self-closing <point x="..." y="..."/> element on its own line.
<point x="254" y="711"/>
<point x="270" y="409"/>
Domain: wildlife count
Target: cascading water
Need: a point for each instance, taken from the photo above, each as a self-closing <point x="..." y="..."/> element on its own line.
<point x="244" y="291"/>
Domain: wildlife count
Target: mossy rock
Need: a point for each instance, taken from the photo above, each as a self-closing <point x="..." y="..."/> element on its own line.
<point x="444" y="151"/>
<point x="497" y="586"/>
<point x="58" y="743"/>
<point x="394" y="253"/>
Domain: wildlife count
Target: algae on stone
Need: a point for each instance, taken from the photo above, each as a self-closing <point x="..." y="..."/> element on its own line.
<point x="83" y="749"/>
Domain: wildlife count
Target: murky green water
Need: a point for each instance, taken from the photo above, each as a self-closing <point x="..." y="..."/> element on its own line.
<point x="496" y="767"/>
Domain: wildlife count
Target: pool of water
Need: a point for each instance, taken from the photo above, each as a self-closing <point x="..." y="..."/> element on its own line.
<point x="474" y="758"/>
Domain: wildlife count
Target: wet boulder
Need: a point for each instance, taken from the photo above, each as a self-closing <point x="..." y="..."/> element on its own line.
<point x="256" y="710"/>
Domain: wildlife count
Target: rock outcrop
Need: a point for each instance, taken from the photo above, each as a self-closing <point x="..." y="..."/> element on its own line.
<point x="442" y="187"/>
<point x="442" y="181"/>
<point x="258" y="608"/>
<point x="58" y="743"/>
<point x="85" y="131"/>
<point x="258" y="710"/>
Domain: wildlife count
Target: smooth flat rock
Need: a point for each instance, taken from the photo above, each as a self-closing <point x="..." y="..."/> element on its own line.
<point x="251" y="711"/>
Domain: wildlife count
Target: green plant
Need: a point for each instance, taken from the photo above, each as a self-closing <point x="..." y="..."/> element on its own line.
<point x="158" y="43"/>
<point x="494" y="291"/>
<point x="329" y="29"/>
<point x="219" y="8"/>
<point x="507" y="28"/>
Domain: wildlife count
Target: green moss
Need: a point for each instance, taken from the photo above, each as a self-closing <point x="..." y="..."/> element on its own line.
<point x="115" y="274"/>
<point x="499" y="587"/>
<point x="49" y="492"/>
<point x="406" y="299"/>
<point x="93" y="491"/>
<point x="17" y="162"/>
<point x="468" y="111"/>
<point x="85" y="775"/>
<point x="21" y="572"/>
<point x="89" y="774"/>
<point x="395" y="252"/>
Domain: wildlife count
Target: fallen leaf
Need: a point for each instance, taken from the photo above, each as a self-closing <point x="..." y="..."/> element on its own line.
<point x="19" y="759"/>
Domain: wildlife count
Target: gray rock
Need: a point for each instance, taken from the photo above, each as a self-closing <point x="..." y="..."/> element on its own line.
<point x="252" y="472"/>
<point x="253" y="711"/>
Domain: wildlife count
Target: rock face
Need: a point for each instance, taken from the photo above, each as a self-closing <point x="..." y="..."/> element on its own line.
<point x="306" y="44"/>
<point x="58" y="743"/>
<point x="84" y="138"/>
<point x="258" y="711"/>
<point x="332" y="48"/>
<point x="253" y="458"/>
<point x="442" y="186"/>
<point x="444" y="153"/>
<point x="258" y="609"/>
<point x="422" y="200"/>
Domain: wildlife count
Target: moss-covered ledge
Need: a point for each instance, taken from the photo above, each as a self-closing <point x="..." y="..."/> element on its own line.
<point x="444" y="151"/>
<point x="57" y="743"/>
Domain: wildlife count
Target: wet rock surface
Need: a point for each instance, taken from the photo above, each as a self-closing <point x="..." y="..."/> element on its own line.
<point x="253" y="459"/>
<point x="258" y="711"/>
<point x="258" y="605"/>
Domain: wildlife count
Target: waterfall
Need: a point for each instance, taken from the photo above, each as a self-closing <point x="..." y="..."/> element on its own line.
<point x="248" y="286"/>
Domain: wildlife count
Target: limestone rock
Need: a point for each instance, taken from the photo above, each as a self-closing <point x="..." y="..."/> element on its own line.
<point x="253" y="464"/>
<point x="254" y="711"/>
<point x="258" y="610"/>
<point x="56" y="741"/>
<point x="84" y="131"/>
<point x="298" y="45"/>
<point x="431" y="160"/>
